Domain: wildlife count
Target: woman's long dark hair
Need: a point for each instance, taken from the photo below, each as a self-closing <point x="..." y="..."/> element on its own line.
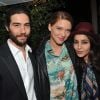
<point x="94" y="55"/>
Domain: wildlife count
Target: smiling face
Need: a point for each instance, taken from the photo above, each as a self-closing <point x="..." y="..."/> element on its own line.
<point x="60" y="31"/>
<point x="19" y="29"/>
<point x="82" y="46"/>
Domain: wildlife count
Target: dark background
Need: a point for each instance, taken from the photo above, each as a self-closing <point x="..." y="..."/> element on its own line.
<point x="79" y="9"/>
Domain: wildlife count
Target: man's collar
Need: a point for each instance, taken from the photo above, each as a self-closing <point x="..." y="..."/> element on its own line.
<point x="15" y="50"/>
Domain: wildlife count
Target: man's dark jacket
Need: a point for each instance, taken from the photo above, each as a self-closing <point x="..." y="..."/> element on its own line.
<point x="11" y="83"/>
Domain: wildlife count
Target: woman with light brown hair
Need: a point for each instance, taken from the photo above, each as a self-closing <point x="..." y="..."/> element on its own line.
<point x="56" y="60"/>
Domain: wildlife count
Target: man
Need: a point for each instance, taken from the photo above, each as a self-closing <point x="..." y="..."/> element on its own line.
<point x="56" y="59"/>
<point x="18" y="79"/>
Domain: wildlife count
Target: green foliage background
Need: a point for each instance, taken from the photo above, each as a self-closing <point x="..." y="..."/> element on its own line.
<point x="40" y="14"/>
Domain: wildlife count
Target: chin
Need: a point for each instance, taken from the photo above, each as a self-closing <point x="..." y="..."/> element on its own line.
<point x="80" y="56"/>
<point x="20" y="43"/>
<point x="60" y="44"/>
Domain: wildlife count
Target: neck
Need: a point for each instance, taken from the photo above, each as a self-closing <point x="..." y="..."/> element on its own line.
<point x="56" y="48"/>
<point x="22" y="48"/>
<point x="86" y="59"/>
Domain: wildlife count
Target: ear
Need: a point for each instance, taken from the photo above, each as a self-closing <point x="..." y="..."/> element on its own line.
<point x="49" y="27"/>
<point x="7" y="28"/>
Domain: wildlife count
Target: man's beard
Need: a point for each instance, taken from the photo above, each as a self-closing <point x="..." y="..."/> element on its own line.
<point x="19" y="43"/>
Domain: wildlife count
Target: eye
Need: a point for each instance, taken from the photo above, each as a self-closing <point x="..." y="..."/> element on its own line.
<point x="27" y="25"/>
<point x="75" y="42"/>
<point x="16" y="25"/>
<point x="85" y="42"/>
<point x="67" y="31"/>
<point x="59" y="28"/>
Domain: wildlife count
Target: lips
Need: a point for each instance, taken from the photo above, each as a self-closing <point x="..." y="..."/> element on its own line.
<point x="61" y="39"/>
<point x="22" y="35"/>
<point x="23" y="38"/>
<point x="79" y="52"/>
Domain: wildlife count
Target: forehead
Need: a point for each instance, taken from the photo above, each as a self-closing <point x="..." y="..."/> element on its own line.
<point x="63" y="22"/>
<point x="19" y="18"/>
<point x="81" y="37"/>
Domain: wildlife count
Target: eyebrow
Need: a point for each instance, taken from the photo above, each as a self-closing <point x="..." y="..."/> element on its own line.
<point x="62" y="27"/>
<point x="81" y="40"/>
<point x="20" y="23"/>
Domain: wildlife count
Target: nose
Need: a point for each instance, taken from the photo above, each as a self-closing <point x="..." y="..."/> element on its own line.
<point x="22" y="29"/>
<point x="79" y="46"/>
<point x="63" y="33"/>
